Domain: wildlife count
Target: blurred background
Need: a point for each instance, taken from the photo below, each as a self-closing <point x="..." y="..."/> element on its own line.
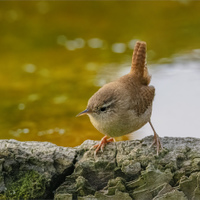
<point x="55" y="55"/>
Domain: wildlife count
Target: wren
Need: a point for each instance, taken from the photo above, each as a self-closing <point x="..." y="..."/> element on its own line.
<point x="125" y="105"/>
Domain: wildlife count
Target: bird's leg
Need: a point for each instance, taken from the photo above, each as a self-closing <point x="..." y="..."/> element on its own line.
<point x="102" y="144"/>
<point x="156" y="140"/>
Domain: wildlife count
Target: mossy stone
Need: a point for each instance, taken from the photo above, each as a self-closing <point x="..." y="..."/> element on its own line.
<point x="27" y="185"/>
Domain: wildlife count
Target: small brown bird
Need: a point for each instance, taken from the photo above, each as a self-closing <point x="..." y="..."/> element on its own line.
<point x="125" y="105"/>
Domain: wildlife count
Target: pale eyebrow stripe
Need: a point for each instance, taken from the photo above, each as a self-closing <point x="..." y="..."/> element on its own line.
<point x="108" y="103"/>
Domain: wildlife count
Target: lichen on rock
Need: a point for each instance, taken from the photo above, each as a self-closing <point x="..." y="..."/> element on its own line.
<point x="125" y="170"/>
<point x="32" y="170"/>
<point x="26" y="185"/>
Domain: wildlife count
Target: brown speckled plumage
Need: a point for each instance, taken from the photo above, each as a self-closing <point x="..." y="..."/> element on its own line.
<point x="139" y="59"/>
<point x="125" y="105"/>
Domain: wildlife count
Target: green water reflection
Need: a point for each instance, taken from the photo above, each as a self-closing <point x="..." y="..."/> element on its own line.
<point x="52" y="53"/>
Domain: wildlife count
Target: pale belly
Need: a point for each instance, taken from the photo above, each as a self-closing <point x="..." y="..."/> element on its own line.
<point x="123" y="125"/>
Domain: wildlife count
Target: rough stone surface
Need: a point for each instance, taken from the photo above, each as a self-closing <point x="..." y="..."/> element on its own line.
<point x="33" y="170"/>
<point x="125" y="170"/>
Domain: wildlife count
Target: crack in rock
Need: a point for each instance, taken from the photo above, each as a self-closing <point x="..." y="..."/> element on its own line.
<point x="125" y="170"/>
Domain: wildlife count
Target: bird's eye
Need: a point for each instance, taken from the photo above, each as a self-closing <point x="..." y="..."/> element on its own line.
<point x="102" y="108"/>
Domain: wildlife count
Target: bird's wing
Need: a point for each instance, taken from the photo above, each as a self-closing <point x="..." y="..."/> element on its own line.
<point x="144" y="99"/>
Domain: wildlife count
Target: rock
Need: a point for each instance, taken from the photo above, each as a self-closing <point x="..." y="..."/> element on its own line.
<point x="173" y="195"/>
<point x="125" y="170"/>
<point x="33" y="170"/>
<point x="191" y="185"/>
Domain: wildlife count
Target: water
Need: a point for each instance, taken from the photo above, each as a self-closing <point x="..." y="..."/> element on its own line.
<point x="55" y="55"/>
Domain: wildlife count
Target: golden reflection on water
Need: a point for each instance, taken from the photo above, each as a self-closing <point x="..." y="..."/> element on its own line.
<point x="54" y="55"/>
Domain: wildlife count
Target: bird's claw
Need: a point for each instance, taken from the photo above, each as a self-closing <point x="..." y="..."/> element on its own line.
<point x="157" y="142"/>
<point x="102" y="144"/>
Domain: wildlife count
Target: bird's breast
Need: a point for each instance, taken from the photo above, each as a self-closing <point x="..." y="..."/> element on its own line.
<point x="119" y="124"/>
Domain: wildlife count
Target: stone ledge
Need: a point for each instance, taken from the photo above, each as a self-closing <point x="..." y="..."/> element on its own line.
<point x="125" y="170"/>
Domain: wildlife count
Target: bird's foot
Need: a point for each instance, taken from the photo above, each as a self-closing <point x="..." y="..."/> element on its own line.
<point x="102" y="144"/>
<point x="157" y="142"/>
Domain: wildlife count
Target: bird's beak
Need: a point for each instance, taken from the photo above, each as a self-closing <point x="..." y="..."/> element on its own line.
<point x="85" y="112"/>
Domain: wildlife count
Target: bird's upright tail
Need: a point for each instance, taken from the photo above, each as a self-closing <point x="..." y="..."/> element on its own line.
<point x="138" y="67"/>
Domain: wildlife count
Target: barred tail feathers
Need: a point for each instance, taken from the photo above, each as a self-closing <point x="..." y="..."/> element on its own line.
<point x="138" y="67"/>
